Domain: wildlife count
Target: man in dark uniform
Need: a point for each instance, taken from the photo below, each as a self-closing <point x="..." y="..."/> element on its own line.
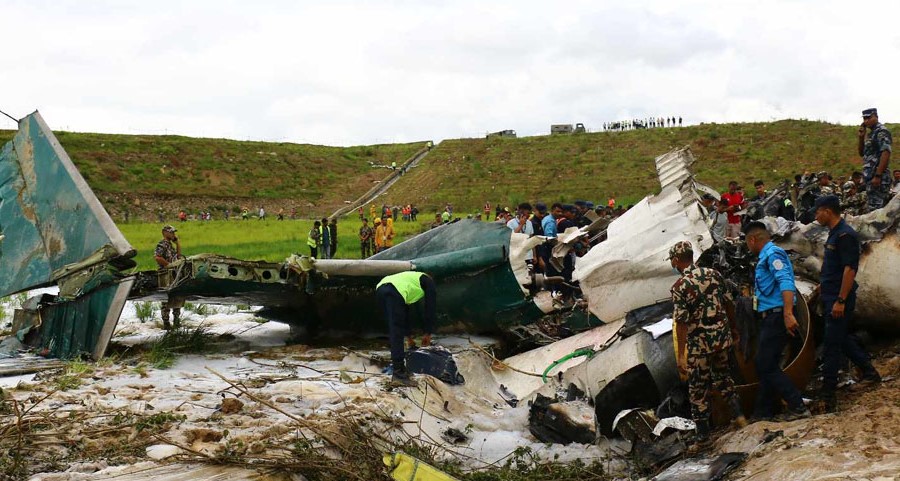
<point x="773" y="298"/>
<point x="365" y="239"/>
<point x="875" y="150"/>
<point x="395" y="293"/>
<point x="838" y="295"/>
<point x="703" y="336"/>
<point x="168" y="250"/>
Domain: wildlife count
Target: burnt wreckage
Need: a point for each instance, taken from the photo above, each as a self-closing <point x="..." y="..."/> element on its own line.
<point x="56" y="232"/>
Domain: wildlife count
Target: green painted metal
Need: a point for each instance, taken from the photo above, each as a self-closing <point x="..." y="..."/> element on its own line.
<point x="477" y="290"/>
<point x="50" y="217"/>
<point x="72" y="329"/>
<point x="55" y="231"/>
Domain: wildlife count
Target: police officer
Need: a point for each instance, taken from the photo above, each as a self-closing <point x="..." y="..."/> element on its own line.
<point x="395" y="293"/>
<point x="875" y="150"/>
<point x="838" y="295"/>
<point x="774" y="300"/>
<point x="703" y="335"/>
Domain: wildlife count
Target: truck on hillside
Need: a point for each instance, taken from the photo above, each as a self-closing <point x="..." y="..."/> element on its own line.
<point x="567" y="129"/>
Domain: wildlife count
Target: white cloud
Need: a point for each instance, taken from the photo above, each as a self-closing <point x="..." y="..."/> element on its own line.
<point x="345" y="72"/>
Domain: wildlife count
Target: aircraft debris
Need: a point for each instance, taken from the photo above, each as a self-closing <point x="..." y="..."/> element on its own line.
<point x="705" y="468"/>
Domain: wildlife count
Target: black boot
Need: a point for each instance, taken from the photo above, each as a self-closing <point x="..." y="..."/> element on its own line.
<point x="700" y="439"/>
<point x="702" y="430"/>
<point x="737" y="412"/>
<point x="165" y="318"/>
<point x="829" y="399"/>
<point x="402" y="377"/>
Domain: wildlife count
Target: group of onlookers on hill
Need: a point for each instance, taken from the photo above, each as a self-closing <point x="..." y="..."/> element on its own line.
<point x="647" y="123"/>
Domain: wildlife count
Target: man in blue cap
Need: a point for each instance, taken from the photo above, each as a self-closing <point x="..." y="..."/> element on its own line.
<point x="838" y="296"/>
<point x="773" y="298"/>
<point x="875" y="150"/>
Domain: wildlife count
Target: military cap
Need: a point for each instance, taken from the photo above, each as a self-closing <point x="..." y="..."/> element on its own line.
<point x="822" y="173"/>
<point x="169" y="228"/>
<point x="830" y="202"/>
<point x="848" y="185"/>
<point x="580" y="203"/>
<point x="589" y="204"/>
<point x="682" y="247"/>
<point x="541" y="207"/>
<point x="569" y="208"/>
<point x="870" y="112"/>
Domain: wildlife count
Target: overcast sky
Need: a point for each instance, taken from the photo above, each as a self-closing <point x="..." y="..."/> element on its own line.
<point x="354" y="72"/>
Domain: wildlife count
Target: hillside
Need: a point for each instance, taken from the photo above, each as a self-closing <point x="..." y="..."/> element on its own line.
<point x="468" y="172"/>
<point x="141" y="173"/>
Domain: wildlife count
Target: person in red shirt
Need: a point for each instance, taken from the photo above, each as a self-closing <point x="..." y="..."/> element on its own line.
<point x="735" y="203"/>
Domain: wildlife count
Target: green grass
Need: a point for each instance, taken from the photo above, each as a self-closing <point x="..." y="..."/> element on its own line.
<point x="141" y="173"/>
<point x="268" y="240"/>
<point x="468" y="172"/>
<point x="215" y="174"/>
<point x="162" y="353"/>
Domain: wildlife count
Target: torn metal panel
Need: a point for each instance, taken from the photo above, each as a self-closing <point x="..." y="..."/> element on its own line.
<point x="674" y="167"/>
<point x="51" y="218"/>
<point x="85" y="325"/>
<point x="703" y="468"/>
<point x="629" y="269"/>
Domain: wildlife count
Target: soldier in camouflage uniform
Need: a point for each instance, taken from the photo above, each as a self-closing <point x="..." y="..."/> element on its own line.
<point x="704" y="336"/>
<point x="875" y="150"/>
<point x="825" y="185"/>
<point x="852" y="201"/>
<point x="168" y="250"/>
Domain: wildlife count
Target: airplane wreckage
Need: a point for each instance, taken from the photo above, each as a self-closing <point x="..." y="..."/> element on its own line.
<point x="55" y="232"/>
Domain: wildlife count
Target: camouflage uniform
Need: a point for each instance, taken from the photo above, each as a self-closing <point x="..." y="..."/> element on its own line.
<point x="878" y="141"/>
<point x="855" y="204"/>
<point x="167" y="251"/>
<point x="366" y="234"/>
<point x="699" y="299"/>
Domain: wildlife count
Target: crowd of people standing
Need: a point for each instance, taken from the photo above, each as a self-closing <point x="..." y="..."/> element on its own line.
<point x="645" y="123"/>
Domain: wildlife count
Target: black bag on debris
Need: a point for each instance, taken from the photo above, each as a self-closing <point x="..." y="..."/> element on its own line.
<point x="550" y="424"/>
<point x="435" y="361"/>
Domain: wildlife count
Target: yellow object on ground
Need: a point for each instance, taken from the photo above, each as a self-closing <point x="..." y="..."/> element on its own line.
<point x="407" y="468"/>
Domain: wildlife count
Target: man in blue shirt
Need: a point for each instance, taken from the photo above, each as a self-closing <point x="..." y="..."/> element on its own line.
<point x="774" y="300"/>
<point x="548" y="223"/>
<point x="838" y="295"/>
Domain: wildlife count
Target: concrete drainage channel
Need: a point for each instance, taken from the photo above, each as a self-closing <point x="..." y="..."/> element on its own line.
<point x="386" y="184"/>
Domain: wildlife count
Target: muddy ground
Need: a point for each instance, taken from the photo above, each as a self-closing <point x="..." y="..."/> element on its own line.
<point x="253" y="407"/>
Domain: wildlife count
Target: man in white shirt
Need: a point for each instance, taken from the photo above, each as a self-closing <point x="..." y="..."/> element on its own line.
<point x="521" y="224"/>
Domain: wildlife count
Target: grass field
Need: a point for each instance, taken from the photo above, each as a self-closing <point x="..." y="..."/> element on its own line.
<point x="269" y="240"/>
<point x="591" y="166"/>
<point x="203" y="173"/>
<point x="215" y="174"/>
